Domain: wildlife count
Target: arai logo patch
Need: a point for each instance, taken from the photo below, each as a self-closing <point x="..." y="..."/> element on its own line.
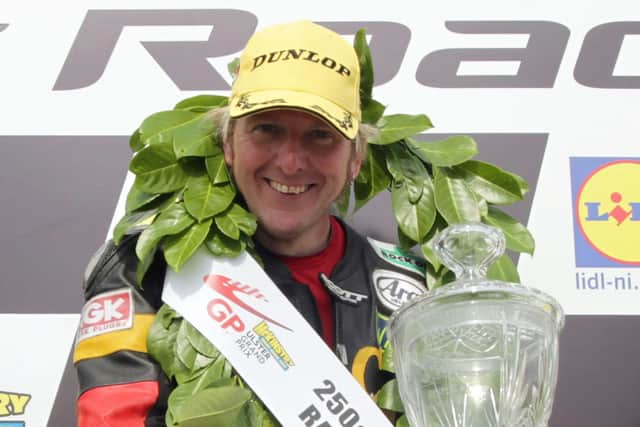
<point x="394" y="289"/>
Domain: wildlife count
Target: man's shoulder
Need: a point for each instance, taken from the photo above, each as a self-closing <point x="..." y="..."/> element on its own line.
<point x="114" y="266"/>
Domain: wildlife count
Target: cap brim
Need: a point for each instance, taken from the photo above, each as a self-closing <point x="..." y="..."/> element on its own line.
<point x="338" y="117"/>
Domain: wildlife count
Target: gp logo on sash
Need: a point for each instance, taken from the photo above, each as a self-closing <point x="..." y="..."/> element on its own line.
<point x="220" y="310"/>
<point x="606" y="200"/>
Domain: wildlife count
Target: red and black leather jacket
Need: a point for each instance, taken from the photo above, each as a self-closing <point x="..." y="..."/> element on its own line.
<point x="120" y="383"/>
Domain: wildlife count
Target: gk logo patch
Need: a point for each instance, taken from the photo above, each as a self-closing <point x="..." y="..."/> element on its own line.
<point x="109" y="312"/>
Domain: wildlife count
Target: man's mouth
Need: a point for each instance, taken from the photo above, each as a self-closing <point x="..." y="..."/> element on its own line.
<point x="288" y="189"/>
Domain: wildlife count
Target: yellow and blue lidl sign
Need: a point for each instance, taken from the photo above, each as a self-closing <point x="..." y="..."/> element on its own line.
<point x="606" y="206"/>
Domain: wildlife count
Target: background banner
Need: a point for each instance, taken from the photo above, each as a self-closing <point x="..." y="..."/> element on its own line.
<point x="549" y="90"/>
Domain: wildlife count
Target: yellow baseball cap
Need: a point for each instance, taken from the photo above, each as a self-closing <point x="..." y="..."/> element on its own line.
<point x="300" y="65"/>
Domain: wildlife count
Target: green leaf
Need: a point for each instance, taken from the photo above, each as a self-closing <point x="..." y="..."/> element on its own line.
<point x="372" y="111"/>
<point x="490" y="182"/>
<point x="503" y="269"/>
<point x="134" y="141"/>
<point x="227" y="226"/>
<point x="226" y="370"/>
<point x="254" y="414"/>
<point x="244" y="220"/>
<point x="408" y="169"/>
<point x="404" y="241"/>
<point x="204" y="200"/>
<point x="172" y="220"/>
<point x="179" y="247"/>
<point x="131" y="220"/>
<point x="201" y="103"/>
<point x="454" y="200"/>
<point x="387" y="359"/>
<point x="389" y="397"/>
<point x="196" y="138"/>
<point x="157" y="169"/>
<point x="403" y="421"/>
<point x="161" y="340"/>
<point x="223" y="246"/>
<point x="182" y="394"/>
<point x="137" y="198"/>
<point x="167" y="315"/>
<point x="200" y="342"/>
<point x="372" y="179"/>
<point x="209" y="376"/>
<point x="366" y="64"/>
<point x="217" y="169"/>
<point x="522" y="183"/>
<point x="199" y="364"/>
<point x="160" y="127"/>
<point x="483" y="207"/>
<point x="448" y="152"/>
<point x="217" y="406"/>
<point x="144" y="264"/>
<point x="184" y="350"/>
<point x="436" y="279"/>
<point x="214" y="374"/>
<point x="415" y="220"/>
<point x="400" y="126"/>
<point x="426" y="248"/>
<point x="517" y="236"/>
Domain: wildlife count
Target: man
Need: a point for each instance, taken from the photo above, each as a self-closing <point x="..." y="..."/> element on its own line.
<point x="292" y="140"/>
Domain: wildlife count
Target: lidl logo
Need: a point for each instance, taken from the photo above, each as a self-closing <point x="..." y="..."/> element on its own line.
<point x="606" y="206"/>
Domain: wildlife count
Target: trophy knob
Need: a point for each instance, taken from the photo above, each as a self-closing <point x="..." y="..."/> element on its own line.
<point x="469" y="249"/>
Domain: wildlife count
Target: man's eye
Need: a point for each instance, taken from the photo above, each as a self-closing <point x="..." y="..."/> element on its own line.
<point x="322" y="135"/>
<point x="267" y="128"/>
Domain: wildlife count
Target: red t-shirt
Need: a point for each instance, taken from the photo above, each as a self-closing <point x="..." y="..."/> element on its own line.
<point x="307" y="269"/>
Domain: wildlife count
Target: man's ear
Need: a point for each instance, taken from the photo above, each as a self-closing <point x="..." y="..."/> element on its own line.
<point x="227" y="149"/>
<point x="354" y="170"/>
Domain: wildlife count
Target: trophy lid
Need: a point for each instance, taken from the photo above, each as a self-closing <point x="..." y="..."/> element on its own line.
<point x="468" y="249"/>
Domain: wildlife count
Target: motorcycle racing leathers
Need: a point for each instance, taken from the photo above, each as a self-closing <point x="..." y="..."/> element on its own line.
<point x="121" y="384"/>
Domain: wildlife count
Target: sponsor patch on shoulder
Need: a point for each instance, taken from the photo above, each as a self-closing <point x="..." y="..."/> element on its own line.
<point x="396" y="256"/>
<point x="394" y="289"/>
<point x="108" y="312"/>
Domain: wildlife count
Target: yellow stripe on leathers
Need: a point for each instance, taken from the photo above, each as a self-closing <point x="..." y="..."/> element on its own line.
<point x="134" y="339"/>
<point x="360" y="363"/>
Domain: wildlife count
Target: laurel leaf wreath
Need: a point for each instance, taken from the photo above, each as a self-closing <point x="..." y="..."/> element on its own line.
<point x="183" y="198"/>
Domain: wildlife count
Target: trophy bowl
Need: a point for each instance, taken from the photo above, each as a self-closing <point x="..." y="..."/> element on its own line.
<point x="476" y="352"/>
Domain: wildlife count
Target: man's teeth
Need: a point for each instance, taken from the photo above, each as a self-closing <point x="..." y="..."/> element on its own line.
<point x="288" y="189"/>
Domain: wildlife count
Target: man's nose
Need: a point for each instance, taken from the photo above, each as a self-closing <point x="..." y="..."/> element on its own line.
<point x="291" y="155"/>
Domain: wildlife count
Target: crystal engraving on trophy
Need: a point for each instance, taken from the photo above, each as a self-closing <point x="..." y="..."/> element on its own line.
<point x="476" y="352"/>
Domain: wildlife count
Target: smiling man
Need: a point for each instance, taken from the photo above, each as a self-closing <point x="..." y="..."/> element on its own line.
<point x="293" y="140"/>
<point x="290" y="166"/>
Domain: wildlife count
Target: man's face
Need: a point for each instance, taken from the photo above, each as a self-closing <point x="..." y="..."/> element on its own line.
<point x="290" y="166"/>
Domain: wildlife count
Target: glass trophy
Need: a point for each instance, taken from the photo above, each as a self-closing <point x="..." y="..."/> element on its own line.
<point x="476" y="352"/>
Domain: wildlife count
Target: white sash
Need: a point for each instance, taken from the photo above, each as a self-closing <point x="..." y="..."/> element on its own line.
<point x="237" y="307"/>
